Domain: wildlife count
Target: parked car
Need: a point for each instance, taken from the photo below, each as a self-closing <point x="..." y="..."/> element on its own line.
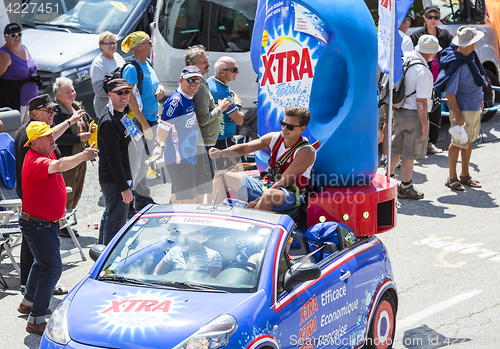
<point x="453" y="15"/>
<point x="63" y="38"/>
<point x="223" y="27"/>
<point x="266" y="292"/>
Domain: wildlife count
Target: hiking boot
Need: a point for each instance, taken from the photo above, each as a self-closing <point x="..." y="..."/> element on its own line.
<point x="432" y="149"/>
<point x="409" y="193"/>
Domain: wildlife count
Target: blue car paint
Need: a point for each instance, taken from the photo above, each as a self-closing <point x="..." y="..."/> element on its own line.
<point x="298" y="318"/>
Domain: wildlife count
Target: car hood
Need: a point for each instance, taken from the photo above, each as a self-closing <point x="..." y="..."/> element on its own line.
<point x="55" y="50"/>
<point x="104" y="314"/>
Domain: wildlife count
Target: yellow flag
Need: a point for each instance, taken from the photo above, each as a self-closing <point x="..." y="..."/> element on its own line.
<point x="93" y="137"/>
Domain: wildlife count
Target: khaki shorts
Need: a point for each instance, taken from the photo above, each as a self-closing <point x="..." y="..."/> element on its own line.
<point x="472" y="127"/>
<point x="407" y="132"/>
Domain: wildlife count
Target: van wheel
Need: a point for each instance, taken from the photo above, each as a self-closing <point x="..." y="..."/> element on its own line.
<point x="383" y="326"/>
<point x="489" y="94"/>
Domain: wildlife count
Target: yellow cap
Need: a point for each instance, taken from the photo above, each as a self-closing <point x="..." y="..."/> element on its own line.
<point x="133" y="39"/>
<point x="37" y="129"/>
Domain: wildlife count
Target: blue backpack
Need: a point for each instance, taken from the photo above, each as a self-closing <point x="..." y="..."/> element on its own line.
<point x="7" y="161"/>
<point x="320" y="233"/>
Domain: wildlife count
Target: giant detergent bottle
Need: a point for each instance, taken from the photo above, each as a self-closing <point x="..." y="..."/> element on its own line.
<point x="322" y="54"/>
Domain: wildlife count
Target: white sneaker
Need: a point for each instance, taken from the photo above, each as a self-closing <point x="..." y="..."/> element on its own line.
<point x="383" y="160"/>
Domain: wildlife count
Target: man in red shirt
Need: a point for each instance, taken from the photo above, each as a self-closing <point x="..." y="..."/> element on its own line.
<point x="44" y="202"/>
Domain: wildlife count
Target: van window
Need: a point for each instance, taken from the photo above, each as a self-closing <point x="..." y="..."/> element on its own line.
<point x="224" y="27"/>
<point x="93" y="16"/>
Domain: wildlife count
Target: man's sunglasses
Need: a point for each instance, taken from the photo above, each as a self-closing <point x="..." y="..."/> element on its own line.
<point x="289" y="127"/>
<point x="16" y="35"/>
<point x="232" y="70"/>
<point x="120" y="93"/>
<point x="49" y="111"/>
<point x="432" y="17"/>
<point x="191" y="80"/>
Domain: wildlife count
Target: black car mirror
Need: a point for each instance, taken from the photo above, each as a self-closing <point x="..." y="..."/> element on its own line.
<point x="96" y="251"/>
<point x="299" y="273"/>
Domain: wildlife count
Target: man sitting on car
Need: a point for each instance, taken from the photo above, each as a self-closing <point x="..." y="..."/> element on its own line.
<point x="291" y="162"/>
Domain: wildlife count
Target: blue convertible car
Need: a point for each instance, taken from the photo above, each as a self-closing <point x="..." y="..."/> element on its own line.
<point x="190" y="276"/>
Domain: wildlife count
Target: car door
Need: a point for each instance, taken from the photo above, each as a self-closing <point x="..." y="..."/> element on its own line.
<point x="319" y="312"/>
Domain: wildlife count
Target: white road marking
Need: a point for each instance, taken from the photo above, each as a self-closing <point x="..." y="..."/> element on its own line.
<point x="411" y="319"/>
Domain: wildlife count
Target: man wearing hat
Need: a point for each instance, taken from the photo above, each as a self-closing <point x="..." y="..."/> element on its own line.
<point x="44" y="203"/>
<point x="432" y="14"/>
<point x="41" y="108"/>
<point x="410" y="122"/>
<point x="461" y="77"/>
<point x="146" y="117"/>
<point x="115" y="132"/>
<point x="178" y="134"/>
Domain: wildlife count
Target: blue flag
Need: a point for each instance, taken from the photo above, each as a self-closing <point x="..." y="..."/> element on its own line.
<point x="384" y="35"/>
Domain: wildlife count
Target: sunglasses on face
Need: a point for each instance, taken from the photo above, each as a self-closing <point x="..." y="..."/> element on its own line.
<point x="16" y="35"/>
<point x="432" y="17"/>
<point x="120" y="93"/>
<point x="289" y="127"/>
<point x="232" y="70"/>
<point x="48" y="111"/>
<point x="191" y="80"/>
<point x="110" y="43"/>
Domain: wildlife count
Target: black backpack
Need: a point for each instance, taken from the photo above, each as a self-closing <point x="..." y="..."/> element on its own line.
<point x="117" y="74"/>
<point x="399" y="95"/>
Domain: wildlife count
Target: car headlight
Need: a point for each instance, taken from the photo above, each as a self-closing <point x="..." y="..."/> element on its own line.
<point x="77" y="75"/>
<point x="57" y="326"/>
<point x="213" y="335"/>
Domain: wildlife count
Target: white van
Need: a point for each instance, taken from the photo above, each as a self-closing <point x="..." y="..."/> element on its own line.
<point x="223" y="27"/>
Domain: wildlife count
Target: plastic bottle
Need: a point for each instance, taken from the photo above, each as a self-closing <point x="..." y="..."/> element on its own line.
<point x="322" y="54"/>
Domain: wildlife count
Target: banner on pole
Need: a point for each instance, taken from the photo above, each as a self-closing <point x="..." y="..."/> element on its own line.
<point x="385" y="13"/>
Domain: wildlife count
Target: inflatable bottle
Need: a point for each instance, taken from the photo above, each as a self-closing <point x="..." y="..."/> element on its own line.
<point x="322" y="54"/>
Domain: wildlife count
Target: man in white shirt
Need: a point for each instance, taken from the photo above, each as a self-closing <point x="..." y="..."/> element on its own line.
<point x="406" y="43"/>
<point x="410" y="122"/>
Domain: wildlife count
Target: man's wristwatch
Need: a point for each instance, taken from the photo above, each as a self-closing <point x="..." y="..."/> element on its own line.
<point x="238" y="105"/>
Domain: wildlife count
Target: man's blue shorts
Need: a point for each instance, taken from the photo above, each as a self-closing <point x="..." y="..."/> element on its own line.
<point x="251" y="189"/>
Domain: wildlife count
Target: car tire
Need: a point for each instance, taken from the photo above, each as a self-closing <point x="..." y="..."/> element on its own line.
<point x="493" y="80"/>
<point x="383" y="326"/>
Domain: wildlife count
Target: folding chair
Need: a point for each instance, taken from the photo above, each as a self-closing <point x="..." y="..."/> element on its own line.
<point x="16" y="204"/>
<point x="7" y="233"/>
<point x="67" y="225"/>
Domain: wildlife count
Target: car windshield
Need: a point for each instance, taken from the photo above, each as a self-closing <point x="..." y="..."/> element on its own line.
<point x="94" y="16"/>
<point x="202" y="252"/>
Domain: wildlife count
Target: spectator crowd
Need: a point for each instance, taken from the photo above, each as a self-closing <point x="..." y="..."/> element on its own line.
<point x="194" y="136"/>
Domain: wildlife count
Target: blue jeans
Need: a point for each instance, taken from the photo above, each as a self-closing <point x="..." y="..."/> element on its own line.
<point x="144" y="150"/>
<point x="45" y="271"/>
<point x="115" y="214"/>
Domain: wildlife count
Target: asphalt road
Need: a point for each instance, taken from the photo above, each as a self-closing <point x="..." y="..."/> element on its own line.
<point x="445" y="253"/>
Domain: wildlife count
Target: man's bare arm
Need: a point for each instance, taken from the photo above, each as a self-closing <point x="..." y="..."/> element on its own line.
<point x="68" y="162"/>
<point x="422" y="114"/>
<point x="242" y="149"/>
